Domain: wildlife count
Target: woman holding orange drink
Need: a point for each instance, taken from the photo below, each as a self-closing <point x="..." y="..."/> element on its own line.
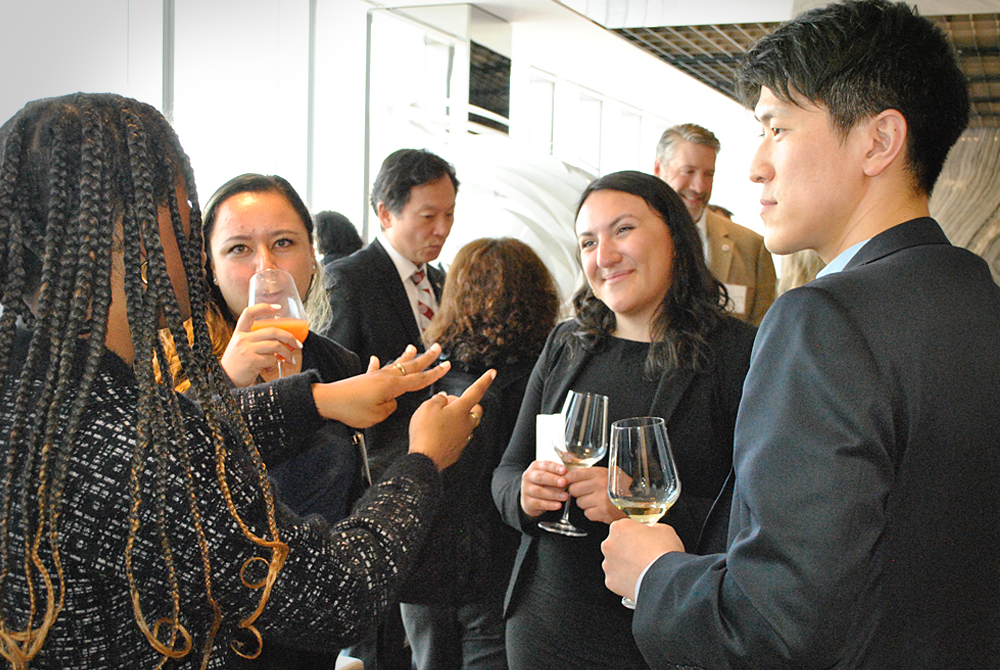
<point x="258" y="222"/>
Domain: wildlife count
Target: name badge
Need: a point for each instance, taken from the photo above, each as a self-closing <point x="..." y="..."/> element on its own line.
<point x="737" y="298"/>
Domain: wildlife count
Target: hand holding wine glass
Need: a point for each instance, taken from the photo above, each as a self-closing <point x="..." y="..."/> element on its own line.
<point x="585" y="443"/>
<point x="277" y="287"/>
<point x="642" y="477"/>
<point x="253" y="354"/>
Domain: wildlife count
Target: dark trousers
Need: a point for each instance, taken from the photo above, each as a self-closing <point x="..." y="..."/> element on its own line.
<point x="463" y="637"/>
<point x="386" y="647"/>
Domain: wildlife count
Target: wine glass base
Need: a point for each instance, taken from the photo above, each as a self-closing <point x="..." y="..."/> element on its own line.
<point x="562" y="528"/>
<point x="629" y="603"/>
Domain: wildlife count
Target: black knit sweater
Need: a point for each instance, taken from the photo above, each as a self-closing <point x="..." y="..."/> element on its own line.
<point x="335" y="582"/>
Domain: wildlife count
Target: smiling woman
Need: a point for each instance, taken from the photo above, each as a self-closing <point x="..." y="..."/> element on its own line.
<point x="627" y="255"/>
<point x="650" y="333"/>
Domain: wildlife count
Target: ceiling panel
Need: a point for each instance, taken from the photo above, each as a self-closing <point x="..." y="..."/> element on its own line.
<point x="711" y="54"/>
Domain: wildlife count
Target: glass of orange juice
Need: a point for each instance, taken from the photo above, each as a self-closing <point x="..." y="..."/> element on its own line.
<point x="277" y="287"/>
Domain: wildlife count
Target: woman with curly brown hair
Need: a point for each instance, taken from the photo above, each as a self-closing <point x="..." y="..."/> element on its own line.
<point x="651" y="333"/>
<point x="137" y="528"/>
<point x="498" y="306"/>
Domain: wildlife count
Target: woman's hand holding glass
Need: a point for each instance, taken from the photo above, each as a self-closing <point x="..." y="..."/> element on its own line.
<point x="584" y="442"/>
<point x="253" y="353"/>
<point x="543" y="487"/>
<point x="590" y="488"/>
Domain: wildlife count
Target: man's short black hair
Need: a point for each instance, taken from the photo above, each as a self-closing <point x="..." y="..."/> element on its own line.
<point x="859" y="58"/>
<point x="404" y="169"/>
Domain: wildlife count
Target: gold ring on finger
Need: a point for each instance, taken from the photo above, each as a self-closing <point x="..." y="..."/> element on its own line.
<point x="402" y="370"/>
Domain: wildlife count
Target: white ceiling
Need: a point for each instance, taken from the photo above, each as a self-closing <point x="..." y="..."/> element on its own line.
<point x="651" y="13"/>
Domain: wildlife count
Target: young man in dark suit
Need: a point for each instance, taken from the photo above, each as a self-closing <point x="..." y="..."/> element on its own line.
<point x="382" y="297"/>
<point x="864" y="527"/>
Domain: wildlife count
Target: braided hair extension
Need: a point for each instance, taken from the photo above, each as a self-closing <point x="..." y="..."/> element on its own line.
<point x="83" y="181"/>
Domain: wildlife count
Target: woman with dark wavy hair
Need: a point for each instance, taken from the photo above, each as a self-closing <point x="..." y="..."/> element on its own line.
<point x="138" y="529"/>
<point x="498" y="306"/>
<point x="651" y="333"/>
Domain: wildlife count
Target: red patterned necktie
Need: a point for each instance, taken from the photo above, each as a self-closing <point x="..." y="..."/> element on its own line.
<point x="423" y="293"/>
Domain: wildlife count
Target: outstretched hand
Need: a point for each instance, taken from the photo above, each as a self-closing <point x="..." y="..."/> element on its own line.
<point x="251" y="353"/>
<point x="443" y="425"/>
<point x="364" y="400"/>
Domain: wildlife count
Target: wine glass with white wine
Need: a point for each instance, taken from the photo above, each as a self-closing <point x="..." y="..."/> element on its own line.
<point x="642" y="477"/>
<point x="585" y="442"/>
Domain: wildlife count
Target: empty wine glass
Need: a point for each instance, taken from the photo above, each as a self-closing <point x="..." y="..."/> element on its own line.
<point x="642" y="477"/>
<point x="584" y="443"/>
<point x="277" y="287"/>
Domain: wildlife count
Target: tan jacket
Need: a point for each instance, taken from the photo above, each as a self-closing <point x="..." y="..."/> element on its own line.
<point x="738" y="258"/>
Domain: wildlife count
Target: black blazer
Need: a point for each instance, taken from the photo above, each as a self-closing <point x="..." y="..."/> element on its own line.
<point x="699" y="410"/>
<point x="371" y="316"/>
<point x="865" y="524"/>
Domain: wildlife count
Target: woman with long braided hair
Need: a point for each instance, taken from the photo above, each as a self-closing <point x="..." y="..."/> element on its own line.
<point x="138" y="528"/>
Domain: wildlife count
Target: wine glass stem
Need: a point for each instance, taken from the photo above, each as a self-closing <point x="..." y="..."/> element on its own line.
<point x="281" y="370"/>
<point x="565" y="516"/>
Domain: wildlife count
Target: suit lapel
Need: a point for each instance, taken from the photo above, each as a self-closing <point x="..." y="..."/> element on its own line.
<point x="720" y="248"/>
<point x="561" y="379"/>
<point x="399" y="303"/>
<point x="436" y="277"/>
<point x="669" y="392"/>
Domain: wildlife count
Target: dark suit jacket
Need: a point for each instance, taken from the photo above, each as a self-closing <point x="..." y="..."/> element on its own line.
<point x="698" y="408"/>
<point x="372" y="317"/>
<point x="865" y="524"/>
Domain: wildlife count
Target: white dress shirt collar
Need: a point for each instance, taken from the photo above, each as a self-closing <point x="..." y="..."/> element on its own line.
<point x="842" y="259"/>
<point x="702" y="225"/>
<point x="404" y="266"/>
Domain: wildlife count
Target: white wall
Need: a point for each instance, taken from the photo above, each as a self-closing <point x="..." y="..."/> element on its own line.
<point x="576" y="50"/>
<point x="49" y="49"/>
<point x="338" y="182"/>
<point x="240" y="94"/>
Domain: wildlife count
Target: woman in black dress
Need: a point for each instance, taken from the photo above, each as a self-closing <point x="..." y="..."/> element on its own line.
<point x="651" y="333"/>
